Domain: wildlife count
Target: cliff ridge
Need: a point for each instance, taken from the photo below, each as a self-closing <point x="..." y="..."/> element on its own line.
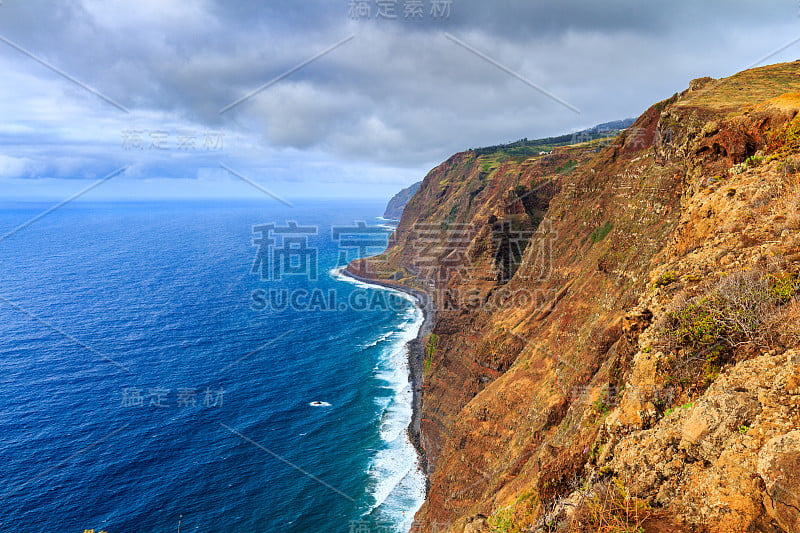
<point x="617" y="336"/>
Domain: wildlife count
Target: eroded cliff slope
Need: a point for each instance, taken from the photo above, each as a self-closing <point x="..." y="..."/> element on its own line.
<point x="617" y="335"/>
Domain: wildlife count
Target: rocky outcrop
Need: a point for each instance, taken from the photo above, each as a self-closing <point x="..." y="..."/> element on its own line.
<point x="778" y="466"/>
<point x="394" y="209"/>
<point x="719" y="461"/>
<point x="617" y="322"/>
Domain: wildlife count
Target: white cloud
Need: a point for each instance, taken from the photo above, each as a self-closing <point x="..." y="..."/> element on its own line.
<point x="15" y="167"/>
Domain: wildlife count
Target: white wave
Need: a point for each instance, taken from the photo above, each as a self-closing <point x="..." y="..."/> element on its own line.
<point x="377" y="341"/>
<point x="391" y="470"/>
<point x="398" y="484"/>
<point x="337" y="274"/>
<point x="397" y="481"/>
<point x="319" y="404"/>
<point x="393" y="422"/>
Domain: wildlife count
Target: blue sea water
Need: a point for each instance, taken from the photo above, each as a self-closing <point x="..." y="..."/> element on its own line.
<point x="143" y="387"/>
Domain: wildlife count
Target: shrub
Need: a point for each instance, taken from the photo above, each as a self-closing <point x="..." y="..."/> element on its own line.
<point x="744" y="301"/>
<point x="783" y="286"/>
<point x="697" y="325"/>
<point x="706" y="330"/>
<point x="786" y="323"/>
<point x="732" y="313"/>
<point x="786" y="141"/>
<point x="754" y="160"/>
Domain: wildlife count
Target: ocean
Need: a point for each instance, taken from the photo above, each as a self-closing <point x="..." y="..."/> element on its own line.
<point x="202" y="366"/>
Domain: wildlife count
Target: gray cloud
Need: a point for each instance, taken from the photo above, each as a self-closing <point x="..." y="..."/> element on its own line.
<point x="399" y="95"/>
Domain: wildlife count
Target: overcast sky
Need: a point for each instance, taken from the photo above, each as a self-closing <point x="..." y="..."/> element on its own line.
<point x="353" y="103"/>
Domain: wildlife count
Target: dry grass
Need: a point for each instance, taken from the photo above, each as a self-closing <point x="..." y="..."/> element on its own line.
<point x="786" y="324"/>
<point x="786" y="102"/>
<point x="790" y="197"/>
<point x="742" y="89"/>
<point x="613" y="509"/>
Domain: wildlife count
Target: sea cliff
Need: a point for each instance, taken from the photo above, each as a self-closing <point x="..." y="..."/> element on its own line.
<point x="617" y="329"/>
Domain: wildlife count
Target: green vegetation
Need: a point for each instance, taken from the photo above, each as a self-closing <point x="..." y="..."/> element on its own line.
<point x="524" y="148"/>
<point x="502" y="521"/>
<point x="684" y="406"/>
<point x="786" y="141"/>
<point x="744" y="429"/>
<point x="754" y="160"/>
<point x="789" y="167"/>
<point x="710" y="373"/>
<point x="491" y="161"/>
<point x="783" y="286"/>
<point x="601" y="232"/>
<point x="698" y="325"/>
<point x="602" y="405"/>
<point x="691" y="278"/>
<point x="597" y="449"/>
<point x="665" y="279"/>
<point x="703" y="332"/>
<point x="516" y="518"/>
<point x="453" y="212"/>
<point x="567" y="167"/>
<point x="473" y="193"/>
<point x="430" y="351"/>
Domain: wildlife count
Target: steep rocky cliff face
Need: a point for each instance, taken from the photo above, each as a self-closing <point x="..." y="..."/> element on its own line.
<point x="394" y="209"/>
<point x="617" y="331"/>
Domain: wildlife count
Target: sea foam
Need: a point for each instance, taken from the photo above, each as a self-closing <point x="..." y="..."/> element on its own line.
<point x="397" y="480"/>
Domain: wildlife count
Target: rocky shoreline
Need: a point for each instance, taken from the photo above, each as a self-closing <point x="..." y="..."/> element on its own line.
<point x="416" y="356"/>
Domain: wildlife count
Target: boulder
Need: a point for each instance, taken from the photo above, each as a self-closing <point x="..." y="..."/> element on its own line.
<point x="779" y="467"/>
